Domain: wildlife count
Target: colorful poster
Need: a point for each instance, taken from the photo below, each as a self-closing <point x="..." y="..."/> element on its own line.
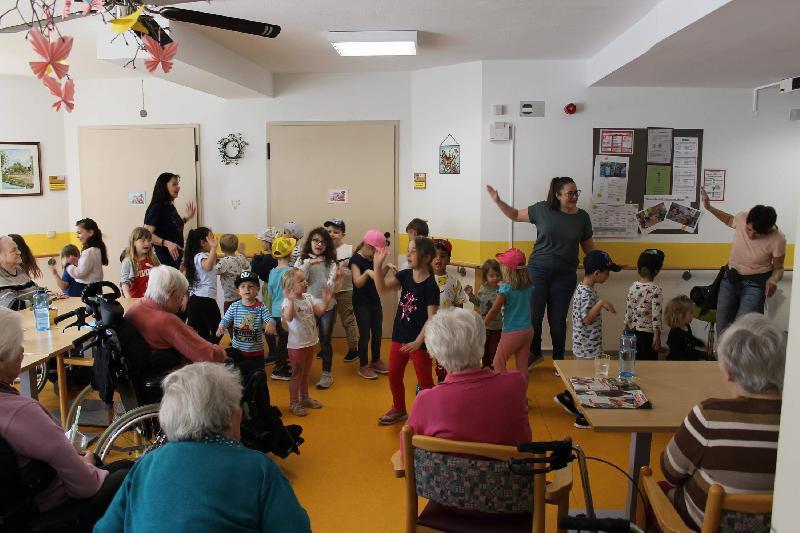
<point x="659" y="145"/>
<point x="616" y="142"/>
<point x="683" y="216"/>
<point x="658" y="180"/>
<point x="137" y="198"/>
<point x="610" y="183"/>
<point x="714" y="184"/>
<point x="420" y="180"/>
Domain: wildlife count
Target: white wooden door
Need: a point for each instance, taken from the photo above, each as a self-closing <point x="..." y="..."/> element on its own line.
<point x="308" y="160"/>
<point x="119" y="161"/>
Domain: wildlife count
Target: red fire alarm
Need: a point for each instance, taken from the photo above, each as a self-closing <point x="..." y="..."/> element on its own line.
<point x="570" y="108"/>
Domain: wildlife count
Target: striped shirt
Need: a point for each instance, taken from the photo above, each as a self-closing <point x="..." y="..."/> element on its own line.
<point x="732" y="443"/>
<point x="248" y="326"/>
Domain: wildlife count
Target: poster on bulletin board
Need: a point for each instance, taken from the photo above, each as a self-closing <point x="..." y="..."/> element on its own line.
<point x="714" y="184"/>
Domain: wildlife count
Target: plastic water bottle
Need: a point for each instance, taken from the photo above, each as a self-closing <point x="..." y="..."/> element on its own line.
<point x="41" y="310"/>
<point x="627" y="355"/>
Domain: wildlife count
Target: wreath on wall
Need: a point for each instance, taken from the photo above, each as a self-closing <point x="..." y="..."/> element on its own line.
<point x="231" y="148"/>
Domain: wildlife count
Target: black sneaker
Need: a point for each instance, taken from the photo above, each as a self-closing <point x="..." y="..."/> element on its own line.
<point x="319" y="354"/>
<point x="581" y="422"/>
<point x="282" y="374"/>
<point x="351" y="357"/>
<point x="534" y="360"/>
<point x="270" y="360"/>
<point x="565" y="400"/>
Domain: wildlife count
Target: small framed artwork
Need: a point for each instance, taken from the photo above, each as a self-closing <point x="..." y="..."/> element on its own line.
<point x="137" y="198"/>
<point x="20" y="169"/>
<point x="449" y="156"/>
<point x="338" y="196"/>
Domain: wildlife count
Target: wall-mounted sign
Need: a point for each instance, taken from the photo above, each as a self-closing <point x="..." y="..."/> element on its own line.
<point x="420" y="180"/>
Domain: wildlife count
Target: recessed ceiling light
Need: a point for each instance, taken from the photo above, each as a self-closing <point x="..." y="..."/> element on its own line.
<point x="374" y="43"/>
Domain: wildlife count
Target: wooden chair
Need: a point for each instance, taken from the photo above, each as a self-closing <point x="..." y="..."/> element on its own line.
<point x="422" y="454"/>
<point x="721" y="508"/>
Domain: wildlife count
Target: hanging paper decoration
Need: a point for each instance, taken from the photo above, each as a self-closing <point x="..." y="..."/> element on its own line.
<point x="54" y="54"/>
<point x="231" y="148"/>
<point x="161" y="55"/>
<point x="66" y="96"/>
<point x="449" y="156"/>
<point x="130" y="22"/>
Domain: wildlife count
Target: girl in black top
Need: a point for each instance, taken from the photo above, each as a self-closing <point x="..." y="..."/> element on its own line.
<point x="419" y="300"/>
<point x="164" y="222"/>
<point x="683" y="346"/>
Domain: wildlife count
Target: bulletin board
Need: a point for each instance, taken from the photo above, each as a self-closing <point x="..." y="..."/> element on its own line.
<point x="636" y="152"/>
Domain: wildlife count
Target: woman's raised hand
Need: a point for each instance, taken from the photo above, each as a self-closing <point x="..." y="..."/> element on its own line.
<point x="704" y="198"/>
<point x="191" y="209"/>
<point x="493" y="193"/>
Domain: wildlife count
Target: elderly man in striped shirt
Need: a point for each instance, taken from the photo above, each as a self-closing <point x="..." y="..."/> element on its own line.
<point x="731" y="442"/>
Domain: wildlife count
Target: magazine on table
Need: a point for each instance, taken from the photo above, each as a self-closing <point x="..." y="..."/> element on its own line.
<point x="609" y="393"/>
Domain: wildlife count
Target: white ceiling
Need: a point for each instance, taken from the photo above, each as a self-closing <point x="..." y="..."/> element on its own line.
<point x="745" y="43"/>
<point x="451" y="31"/>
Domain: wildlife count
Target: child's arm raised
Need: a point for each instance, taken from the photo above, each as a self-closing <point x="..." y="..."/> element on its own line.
<point x="417" y="343"/>
<point x="287" y="308"/>
<point x="210" y="262"/>
<point x="496" y="307"/>
<point x="60" y="283"/>
<point x="387" y="280"/>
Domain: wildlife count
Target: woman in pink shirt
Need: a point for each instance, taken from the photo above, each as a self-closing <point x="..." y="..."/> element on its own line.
<point x="755" y="265"/>
<point x="77" y="484"/>
<point x="154" y="316"/>
<point x="473" y="404"/>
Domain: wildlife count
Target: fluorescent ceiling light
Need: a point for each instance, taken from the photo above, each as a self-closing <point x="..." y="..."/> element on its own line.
<point x="374" y="43"/>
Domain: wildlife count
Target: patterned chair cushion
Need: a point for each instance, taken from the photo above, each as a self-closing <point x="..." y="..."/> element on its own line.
<point x="735" y="522"/>
<point x="472" y="484"/>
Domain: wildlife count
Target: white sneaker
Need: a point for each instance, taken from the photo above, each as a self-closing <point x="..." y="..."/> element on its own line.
<point x="325" y="381"/>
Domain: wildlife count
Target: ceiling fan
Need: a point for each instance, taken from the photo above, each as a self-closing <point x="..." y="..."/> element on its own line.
<point x="120" y="8"/>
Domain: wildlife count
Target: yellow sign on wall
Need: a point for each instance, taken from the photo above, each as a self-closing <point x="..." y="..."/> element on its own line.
<point x="420" y="180"/>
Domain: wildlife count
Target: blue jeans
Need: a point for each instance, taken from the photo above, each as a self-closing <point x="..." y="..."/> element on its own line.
<point x="325" y="328"/>
<point x="370" y="323"/>
<point x="733" y="303"/>
<point x="552" y="291"/>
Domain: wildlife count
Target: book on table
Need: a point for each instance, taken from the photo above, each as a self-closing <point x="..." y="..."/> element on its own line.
<point x="609" y="393"/>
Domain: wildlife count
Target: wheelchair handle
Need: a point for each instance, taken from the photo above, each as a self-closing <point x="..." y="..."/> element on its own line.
<point x="69" y="314"/>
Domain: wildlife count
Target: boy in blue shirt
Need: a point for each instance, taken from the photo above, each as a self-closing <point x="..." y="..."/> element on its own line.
<point x="249" y="319"/>
<point x="65" y="282"/>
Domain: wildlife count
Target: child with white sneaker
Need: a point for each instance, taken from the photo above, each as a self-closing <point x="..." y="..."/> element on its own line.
<point x="299" y="312"/>
<point x="344" y="296"/>
<point x="587" y="320"/>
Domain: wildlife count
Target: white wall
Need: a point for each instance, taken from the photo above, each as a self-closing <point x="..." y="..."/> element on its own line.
<point x="444" y="101"/>
<point x="759" y="152"/>
<point x="784" y="510"/>
<point x="26" y="116"/>
<point x="327" y="97"/>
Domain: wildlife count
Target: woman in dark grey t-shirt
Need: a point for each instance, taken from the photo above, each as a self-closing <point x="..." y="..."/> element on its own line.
<point x="560" y="227"/>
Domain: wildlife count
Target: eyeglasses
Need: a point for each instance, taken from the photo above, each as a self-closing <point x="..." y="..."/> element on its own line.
<point x="572" y="194"/>
<point x="317" y="241"/>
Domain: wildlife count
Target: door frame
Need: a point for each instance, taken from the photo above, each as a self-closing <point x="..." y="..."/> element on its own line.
<point x="394" y="123"/>
<point x="195" y="127"/>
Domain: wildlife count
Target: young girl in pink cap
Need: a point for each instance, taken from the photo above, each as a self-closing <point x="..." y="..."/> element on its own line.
<point x="514" y="299"/>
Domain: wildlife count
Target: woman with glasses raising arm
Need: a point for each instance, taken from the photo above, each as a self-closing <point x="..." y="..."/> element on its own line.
<point x="561" y="226"/>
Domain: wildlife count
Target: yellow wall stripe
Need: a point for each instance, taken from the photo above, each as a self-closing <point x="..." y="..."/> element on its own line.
<point x="679" y="256"/>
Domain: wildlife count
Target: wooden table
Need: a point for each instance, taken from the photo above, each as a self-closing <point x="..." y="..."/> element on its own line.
<point x="673" y="387"/>
<point x="41" y="346"/>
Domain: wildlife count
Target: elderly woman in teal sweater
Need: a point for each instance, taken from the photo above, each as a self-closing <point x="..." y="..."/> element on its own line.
<point x="203" y="479"/>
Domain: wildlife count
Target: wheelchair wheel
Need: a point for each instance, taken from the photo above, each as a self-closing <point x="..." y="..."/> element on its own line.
<point x="73" y="408"/>
<point x="41" y="376"/>
<point x="131" y="435"/>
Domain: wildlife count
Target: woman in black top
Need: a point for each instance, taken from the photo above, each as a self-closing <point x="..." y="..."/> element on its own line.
<point x="164" y="222"/>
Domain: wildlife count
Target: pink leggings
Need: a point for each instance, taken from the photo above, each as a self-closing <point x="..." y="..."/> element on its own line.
<point x="518" y="344"/>
<point x="397" y="367"/>
<point x="300" y="358"/>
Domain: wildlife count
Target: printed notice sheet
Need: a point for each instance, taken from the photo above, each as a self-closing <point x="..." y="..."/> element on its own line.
<point x="659" y="145"/>
<point x="615" y="221"/>
<point x="610" y="184"/>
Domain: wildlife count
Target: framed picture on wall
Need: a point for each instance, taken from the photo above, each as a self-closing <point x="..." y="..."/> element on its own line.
<point x="20" y="169"/>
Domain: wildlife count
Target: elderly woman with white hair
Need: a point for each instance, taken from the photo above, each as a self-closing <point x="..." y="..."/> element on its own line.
<point x="203" y="478"/>
<point x="732" y="442"/>
<point x="472" y="404"/>
<point x="155" y="318"/>
<point x="15" y="284"/>
<point x="70" y="485"/>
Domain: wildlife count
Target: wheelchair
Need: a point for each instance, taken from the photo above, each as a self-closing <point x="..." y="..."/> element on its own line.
<point x="123" y="363"/>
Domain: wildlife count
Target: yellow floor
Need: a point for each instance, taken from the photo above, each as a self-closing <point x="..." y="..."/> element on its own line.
<point x="343" y="477"/>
